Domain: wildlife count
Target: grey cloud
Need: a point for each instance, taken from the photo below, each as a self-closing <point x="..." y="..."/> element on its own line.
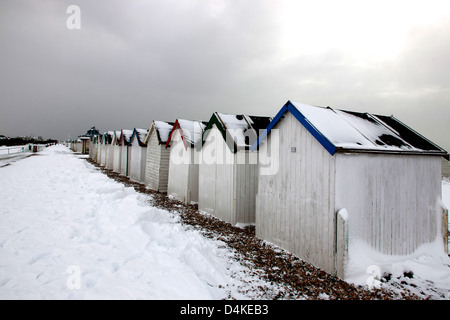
<point x="135" y="61"/>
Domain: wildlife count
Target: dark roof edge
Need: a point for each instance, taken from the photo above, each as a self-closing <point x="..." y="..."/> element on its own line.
<point x="420" y="135"/>
<point x="404" y="152"/>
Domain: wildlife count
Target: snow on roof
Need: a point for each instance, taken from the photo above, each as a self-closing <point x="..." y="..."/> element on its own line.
<point x="353" y="130"/>
<point x="126" y="134"/>
<point x="242" y="129"/>
<point x="163" y="130"/>
<point x="192" y="131"/>
<point x="237" y="126"/>
<point x="107" y="137"/>
<point x="116" y="136"/>
<point x="347" y="130"/>
<point x="140" y="134"/>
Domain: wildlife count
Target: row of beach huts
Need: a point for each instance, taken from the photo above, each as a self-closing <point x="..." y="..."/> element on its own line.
<point x="313" y="180"/>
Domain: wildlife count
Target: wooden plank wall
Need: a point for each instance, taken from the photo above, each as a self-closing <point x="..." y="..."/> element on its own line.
<point x="153" y="163"/>
<point x="246" y="185"/>
<point x="295" y="205"/>
<point x="117" y="158"/>
<point x="392" y="200"/>
<point x="163" y="167"/>
<point x="110" y="157"/>
<point x="179" y="167"/>
<point x="124" y="160"/>
<point x="217" y="178"/>
<point x="99" y="152"/>
<point x="227" y="181"/>
<point x="135" y="161"/>
<point x="103" y="154"/>
<point x="157" y="165"/>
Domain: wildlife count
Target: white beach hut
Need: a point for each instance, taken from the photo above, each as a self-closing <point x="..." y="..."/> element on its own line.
<point x="104" y="147"/>
<point x="157" y="164"/>
<point x="138" y="155"/>
<point x="93" y="148"/>
<point x="99" y="148"/>
<point x="117" y="150"/>
<point x="337" y="179"/>
<point x="110" y="150"/>
<point x="184" y="139"/>
<point x="228" y="170"/>
<point x="124" y="142"/>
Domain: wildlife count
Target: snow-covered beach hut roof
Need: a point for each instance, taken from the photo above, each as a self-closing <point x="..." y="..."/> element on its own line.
<point x="191" y="132"/>
<point x="140" y="136"/>
<point x="348" y="131"/>
<point x="107" y="137"/>
<point x="125" y="136"/>
<point x="239" y="131"/>
<point x="162" y="130"/>
<point x="116" y="137"/>
<point x="103" y="138"/>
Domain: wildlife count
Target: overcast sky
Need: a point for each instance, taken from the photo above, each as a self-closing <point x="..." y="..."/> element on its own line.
<point x="137" y="61"/>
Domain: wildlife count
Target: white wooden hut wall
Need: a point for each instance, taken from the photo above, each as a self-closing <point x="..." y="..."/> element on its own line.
<point x="135" y="155"/>
<point x="212" y="195"/>
<point x="392" y="200"/>
<point x="124" y="159"/>
<point x="92" y="149"/>
<point x="110" y="156"/>
<point x="138" y="158"/>
<point x="99" y="150"/>
<point x="157" y="164"/>
<point x="104" y="152"/>
<point x="227" y="181"/>
<point x="183" y="170"/>
<point x="295" y="205"/>
<point x="117" y="156"/>
<point x="246" y="177"/>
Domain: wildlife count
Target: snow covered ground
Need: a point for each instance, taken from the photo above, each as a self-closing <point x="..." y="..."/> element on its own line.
<point x="426" y="272"/>
<point x="12" y="154"/>
<point x="69" y="232"/>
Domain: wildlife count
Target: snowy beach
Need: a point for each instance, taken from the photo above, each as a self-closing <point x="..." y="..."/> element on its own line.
<point x="67" y="231"/>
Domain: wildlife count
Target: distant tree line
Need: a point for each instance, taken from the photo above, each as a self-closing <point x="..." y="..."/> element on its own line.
<point x="18" y="141"/>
